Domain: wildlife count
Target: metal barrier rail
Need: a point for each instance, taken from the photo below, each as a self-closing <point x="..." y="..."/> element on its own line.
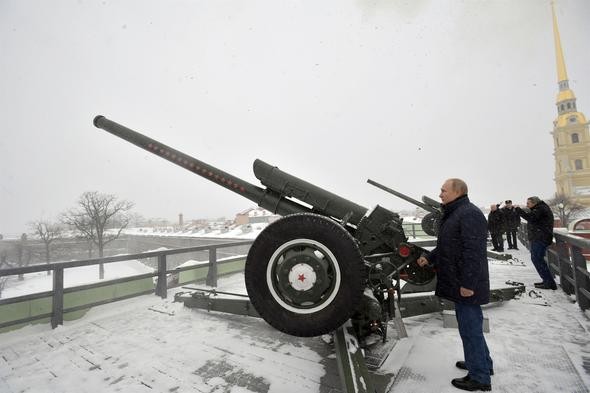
<point x="565" y="258"/>
<point x="58" y="291"/>
<point x="414" y="230"/>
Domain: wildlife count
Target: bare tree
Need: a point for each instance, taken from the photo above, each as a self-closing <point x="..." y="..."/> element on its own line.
<point x="23" y="254"/>
<point x="3" y="265"/>
<point x="100" y="217"/>
<point x="48" y="232"/>
<point x="565" y="207"/>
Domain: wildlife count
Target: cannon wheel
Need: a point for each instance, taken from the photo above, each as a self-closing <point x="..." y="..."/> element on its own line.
<point x="305" y="275"/>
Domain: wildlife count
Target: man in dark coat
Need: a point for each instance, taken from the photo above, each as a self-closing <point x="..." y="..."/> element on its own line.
<point x="511" y="223"/>
<point x="460" y="259"/>
<point x="496" y="227"/>
<point x="540" y="233"/>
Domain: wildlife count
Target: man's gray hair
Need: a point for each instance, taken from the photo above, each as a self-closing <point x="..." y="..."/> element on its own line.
<point x="459" y="186"/>
<point x="534" y="199"/>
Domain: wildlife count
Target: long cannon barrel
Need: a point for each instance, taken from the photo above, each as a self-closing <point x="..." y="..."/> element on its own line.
<point x="413" y="201"/>
<point x="263" y="197"/>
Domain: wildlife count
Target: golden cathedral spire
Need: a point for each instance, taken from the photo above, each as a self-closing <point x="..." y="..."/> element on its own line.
<point x="564" y="94"/>
<point x="561" y="72"/>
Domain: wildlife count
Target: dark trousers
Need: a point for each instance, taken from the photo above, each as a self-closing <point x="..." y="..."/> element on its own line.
<point x="497" y="241"/>
<point x="538" y="249"/>
<point x="511" y="238"/>
<point x="475" y="348"/>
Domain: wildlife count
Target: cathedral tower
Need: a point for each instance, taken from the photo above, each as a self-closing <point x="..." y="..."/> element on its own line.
<point x="570" y="136"/>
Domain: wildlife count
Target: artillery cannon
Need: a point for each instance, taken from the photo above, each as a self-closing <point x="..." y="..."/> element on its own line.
<point x="431" y="221"/>
<point x="325" y="261"/>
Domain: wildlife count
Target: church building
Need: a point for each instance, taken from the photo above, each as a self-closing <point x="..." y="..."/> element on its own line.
<point x="570" y="136"/>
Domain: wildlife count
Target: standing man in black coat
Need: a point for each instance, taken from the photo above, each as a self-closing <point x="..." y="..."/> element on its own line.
<point x="496" y="227"/>
<point x="511" y="222"/>
<point x="460" y="257"/>
<point x="540" y="233"/>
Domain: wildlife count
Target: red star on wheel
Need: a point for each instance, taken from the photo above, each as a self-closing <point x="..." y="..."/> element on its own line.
<point x="301" y="277"/>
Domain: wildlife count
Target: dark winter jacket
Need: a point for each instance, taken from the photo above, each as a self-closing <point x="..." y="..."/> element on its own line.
<point x="540" y="222"/>
<point x="460" y="256"/>
<point x="511" y="218"/>
<point x="496" y="221"/>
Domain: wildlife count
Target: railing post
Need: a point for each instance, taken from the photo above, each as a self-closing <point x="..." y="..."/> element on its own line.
<point x="212" y="272"/>
<point x="57" y="307"/>
<point x="523" y="236"/>
<point x="565" y="267"/>
<point x="162" y="285"/>
<point x="582" y="281"/>
<point x="414" y="229"/>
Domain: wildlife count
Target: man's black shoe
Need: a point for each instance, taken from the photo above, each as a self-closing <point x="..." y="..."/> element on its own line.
<point x="466" y="383"/>
<point x="461" y="364"/>
<point x="537" y="284"/>
<point x="546" y="286"/>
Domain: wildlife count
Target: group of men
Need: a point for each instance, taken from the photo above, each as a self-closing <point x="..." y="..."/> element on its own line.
<point x="460" y="260"/>
<point x="503" y="220"/>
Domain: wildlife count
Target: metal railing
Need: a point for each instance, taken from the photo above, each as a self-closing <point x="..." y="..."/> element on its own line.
<point x="57" y="293"/>
<point x="414" y="230"/>
<point x="565" y="258"/>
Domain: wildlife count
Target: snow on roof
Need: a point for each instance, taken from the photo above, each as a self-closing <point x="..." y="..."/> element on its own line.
<point x="247" y="231"/>
<point x="255" y="212"/>
<point x="41" y="282"/>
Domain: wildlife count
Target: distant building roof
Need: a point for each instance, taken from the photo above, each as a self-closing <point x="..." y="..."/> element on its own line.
<point x="255" y="212"/>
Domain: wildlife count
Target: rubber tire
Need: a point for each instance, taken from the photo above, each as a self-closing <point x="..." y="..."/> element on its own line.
<point x="350" y="261"/>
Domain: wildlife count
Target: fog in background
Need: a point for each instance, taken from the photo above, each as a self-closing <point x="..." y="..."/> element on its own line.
<point x="407" y="93"/>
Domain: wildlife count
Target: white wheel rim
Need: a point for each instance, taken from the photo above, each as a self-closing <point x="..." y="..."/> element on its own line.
<point x="324" y="250"/>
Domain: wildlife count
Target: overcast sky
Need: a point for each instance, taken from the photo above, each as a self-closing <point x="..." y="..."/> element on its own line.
<point x="407" y="93"/>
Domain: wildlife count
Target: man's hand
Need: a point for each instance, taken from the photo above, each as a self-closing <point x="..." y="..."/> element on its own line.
<point x="466" y="292"/>
<point x="422" y="261"/>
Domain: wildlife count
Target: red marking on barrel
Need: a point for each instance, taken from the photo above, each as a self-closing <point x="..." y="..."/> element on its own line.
<point x="301" y="277"/>
<point x="150" y="146"/>
<point x="242" y="189"/>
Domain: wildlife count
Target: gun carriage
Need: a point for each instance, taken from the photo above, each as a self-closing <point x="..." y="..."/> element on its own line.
<point x="325" y="261"/>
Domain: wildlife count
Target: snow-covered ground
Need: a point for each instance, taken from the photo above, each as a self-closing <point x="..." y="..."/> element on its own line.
<point x="539" y="344"/>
